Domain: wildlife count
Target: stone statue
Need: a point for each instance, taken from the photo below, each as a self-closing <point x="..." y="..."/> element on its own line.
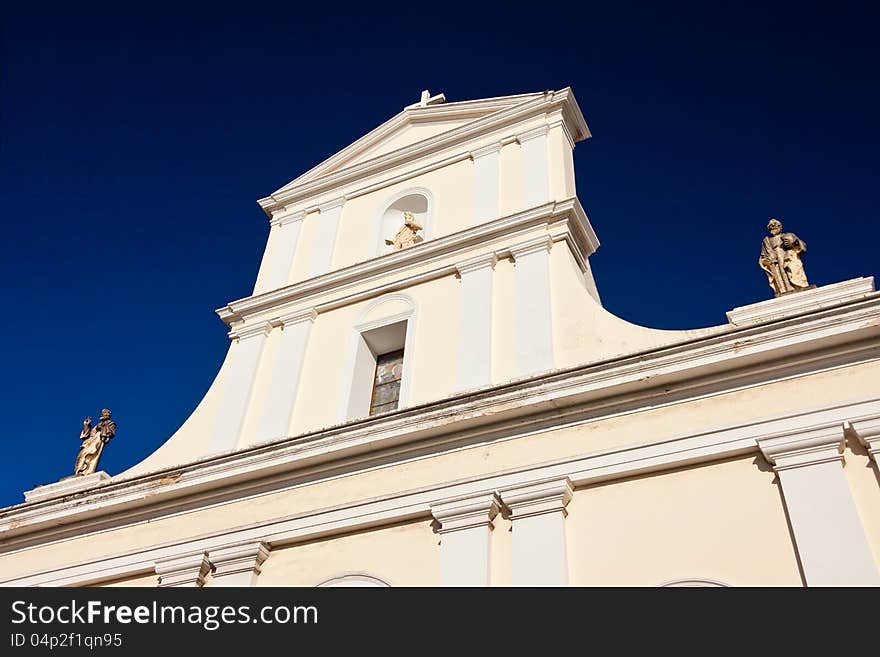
<point x="93" y="440"/>
<point x="781" y="259"/>
<point x="407" y="235"/>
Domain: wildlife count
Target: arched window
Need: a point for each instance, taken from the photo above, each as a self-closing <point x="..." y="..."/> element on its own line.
<point x="417" y="200"/>
<point x="694" y="582"/>
<point x="354" y="580"/>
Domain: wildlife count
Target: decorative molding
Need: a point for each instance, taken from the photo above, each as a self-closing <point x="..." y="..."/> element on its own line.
<point x="803" y="448"/>
<point x="797" y="303"/>
<point x="698" y="367"/>
<point x="468" y="512"/>
<point x="580" y="236"/>
<point x="534" y="133"/>
<point x="237" y="559"/>
<point x="297" y="317"/>
<point x="250" y="331"/>
<point x="868" y="433"/>
<point x="317" y="181"/>
<point x="331" y="205"/>
<point x="534" y="499"/>
<point x="667" y="452"/>
<point x="482" y="261"/>
<point x="186" y="570"/>
<point x="537" y="245"/>
<point x="280" y="219"/>
<point x="485" y="150"/>
<point x="66" y="486"/>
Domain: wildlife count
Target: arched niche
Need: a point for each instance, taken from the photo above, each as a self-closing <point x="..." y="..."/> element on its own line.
<point x="417" y="200"/>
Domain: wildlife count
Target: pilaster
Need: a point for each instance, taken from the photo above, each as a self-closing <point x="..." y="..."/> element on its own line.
<point x="828" y="532"/>
<point x="464" y="527"/>
<point x="534" y="335"/>
<point x="536" y="166"/>
<point x="487" y="182"/>
<point x="475" y="322"/>
<point x="239" y="374"/>
<point x="286" y="370"/>
<point x="537" y="511"/>
<point x="324" y="242"/>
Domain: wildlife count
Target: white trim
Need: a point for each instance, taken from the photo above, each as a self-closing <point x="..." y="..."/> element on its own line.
<point x="804" y="301"/>
<point x="237" y="565"/>
<point x="568" y="219"/>
<point x="698" y="369"/>
<point x="186" y="570"/>
<point x="669" y="452"/>
<point x="302" y="187"/>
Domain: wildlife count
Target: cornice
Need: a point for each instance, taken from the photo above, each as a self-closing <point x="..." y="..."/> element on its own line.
<point x="543" y="104"/>
<point x="568" y="213"/>
<point x="716" y="363"/>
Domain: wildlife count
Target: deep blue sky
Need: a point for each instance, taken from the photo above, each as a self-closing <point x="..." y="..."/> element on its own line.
<point x="135" y="141"/>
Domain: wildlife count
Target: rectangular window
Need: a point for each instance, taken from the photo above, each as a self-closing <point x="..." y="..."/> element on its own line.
<point x="386" y="382"/>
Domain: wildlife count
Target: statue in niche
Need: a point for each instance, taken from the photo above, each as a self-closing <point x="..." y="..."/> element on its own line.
<point x="781" y="259"/>
<point x="93" y="440"/>
<point x="408" y="233"/>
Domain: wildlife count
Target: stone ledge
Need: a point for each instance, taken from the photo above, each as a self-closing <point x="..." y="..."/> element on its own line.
<point x="66" y="486"/>
<point x="796" y="303"/>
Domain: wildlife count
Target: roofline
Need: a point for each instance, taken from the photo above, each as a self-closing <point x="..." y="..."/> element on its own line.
<point x="533" y="105"/>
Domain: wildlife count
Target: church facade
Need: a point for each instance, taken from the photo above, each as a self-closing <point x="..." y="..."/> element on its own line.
<point x="425" y="389"/>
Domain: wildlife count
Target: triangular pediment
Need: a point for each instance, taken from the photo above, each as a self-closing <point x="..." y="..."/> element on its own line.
<point x="414" y="124"/>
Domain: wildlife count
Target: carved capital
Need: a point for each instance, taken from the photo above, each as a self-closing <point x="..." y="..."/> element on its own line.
<point x="550" y="496"/>
<point x="804" y="448"/>
<point x="484" y="261"/>
<point x="242" y="558"/>
<point x="868" y="433"/>
<point x="538" y="245"/>
<point x="188" y="570"/>
<point x="461" y="513"/>
<point x="485" y="150"/>
<point x="254" y="330"/>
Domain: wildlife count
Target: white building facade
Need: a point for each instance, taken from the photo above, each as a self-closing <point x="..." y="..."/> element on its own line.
<point x="464" y="412"/>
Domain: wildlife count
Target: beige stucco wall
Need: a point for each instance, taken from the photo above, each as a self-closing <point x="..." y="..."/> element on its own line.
<point x="662" y="423"/>
<point x="401" y="555"/>
<point x="722" y="521"/>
